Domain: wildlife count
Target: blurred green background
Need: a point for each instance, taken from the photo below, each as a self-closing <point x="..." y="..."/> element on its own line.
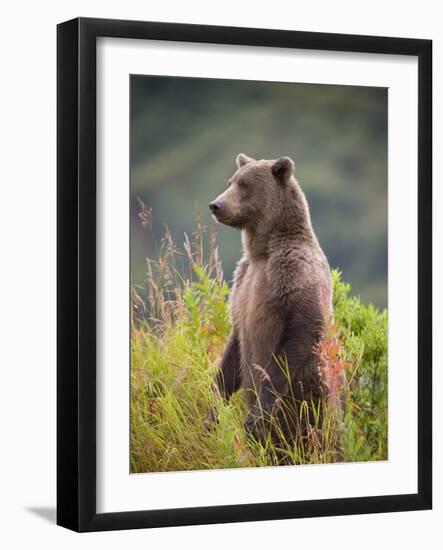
<point x="186" y="132"/>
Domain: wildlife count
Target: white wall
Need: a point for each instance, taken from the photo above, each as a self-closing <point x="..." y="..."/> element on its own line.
<point x="27" y="290"/>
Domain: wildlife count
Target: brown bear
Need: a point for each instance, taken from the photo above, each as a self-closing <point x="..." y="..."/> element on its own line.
<point x="280" y="297"/>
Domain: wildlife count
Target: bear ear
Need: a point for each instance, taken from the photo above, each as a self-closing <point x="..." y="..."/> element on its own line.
<point x="282" y="169"/>
<point x="243" y="159"/>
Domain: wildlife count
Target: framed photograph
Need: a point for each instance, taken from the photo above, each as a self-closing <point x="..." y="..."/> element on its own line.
<point x="244" y="274"/>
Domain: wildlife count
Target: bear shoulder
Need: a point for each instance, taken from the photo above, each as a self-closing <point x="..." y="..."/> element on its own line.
<point x="295" y="271"/>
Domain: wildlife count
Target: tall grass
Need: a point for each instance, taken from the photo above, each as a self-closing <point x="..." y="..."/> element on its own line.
<point x="178" y="332"/>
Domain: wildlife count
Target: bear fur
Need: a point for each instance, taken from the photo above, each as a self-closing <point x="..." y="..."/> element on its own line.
<point x="281" y="294"/>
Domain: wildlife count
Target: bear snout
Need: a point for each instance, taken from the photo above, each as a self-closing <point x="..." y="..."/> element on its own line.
<point x="214" y="206"/>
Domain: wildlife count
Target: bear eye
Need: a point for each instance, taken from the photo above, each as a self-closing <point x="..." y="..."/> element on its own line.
<point x="242" y="184"/>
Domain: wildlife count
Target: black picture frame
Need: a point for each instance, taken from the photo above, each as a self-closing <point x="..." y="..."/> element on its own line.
<point x="76" y="281"/>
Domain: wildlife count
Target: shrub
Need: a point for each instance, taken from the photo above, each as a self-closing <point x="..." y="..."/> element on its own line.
<point x="178" y="333"/>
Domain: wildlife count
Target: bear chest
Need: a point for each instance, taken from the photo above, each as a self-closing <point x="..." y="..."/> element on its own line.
<point x="254" y="315"/>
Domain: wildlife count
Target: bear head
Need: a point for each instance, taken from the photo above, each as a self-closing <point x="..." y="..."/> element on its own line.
<point x="257" y="195"/>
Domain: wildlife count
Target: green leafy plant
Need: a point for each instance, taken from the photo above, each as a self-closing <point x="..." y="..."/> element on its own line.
<point x="179" y="326"/>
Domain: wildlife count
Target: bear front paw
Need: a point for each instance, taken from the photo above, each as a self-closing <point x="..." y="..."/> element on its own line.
<point x="211" y="419"/>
